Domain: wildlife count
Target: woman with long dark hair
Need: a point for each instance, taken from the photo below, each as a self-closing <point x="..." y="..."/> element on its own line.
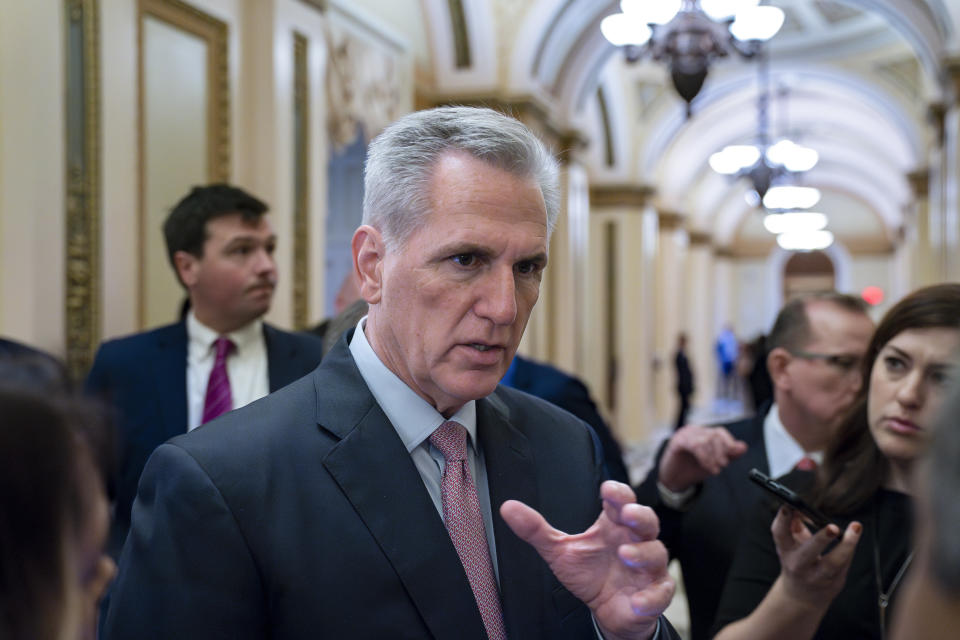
<point x="840" y="581"/>
<point x="54" y="514"/>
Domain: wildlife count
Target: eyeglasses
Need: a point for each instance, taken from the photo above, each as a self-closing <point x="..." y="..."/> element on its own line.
<point x="844" y="362"/>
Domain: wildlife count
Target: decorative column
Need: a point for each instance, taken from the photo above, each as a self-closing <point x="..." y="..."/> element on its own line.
<point x="938" y="178"/>
<point x="951" y="175"/>
<point x="620" y="297"/>
<point x="568" y="265"/>
<point x="918" y="239"/>
<point x="556" y="328"/>
<point x="700" y="292"/>
<point x="671" y="287"/>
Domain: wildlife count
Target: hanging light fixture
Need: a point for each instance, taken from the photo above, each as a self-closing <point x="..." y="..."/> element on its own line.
<point x="763" y="163"/>
<point x="689" y="34"/>
<point x="794" y="221"/>
<point x="791" y="197"/>
<point x="805" y="240"/>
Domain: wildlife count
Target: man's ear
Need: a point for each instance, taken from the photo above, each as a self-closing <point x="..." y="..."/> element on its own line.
<point x="187" y="266"/>
<point x="369" y="252"/>
<point x="777" y="361"/>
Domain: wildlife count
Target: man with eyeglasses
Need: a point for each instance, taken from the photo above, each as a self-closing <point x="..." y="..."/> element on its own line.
<point x="699" y="486"/>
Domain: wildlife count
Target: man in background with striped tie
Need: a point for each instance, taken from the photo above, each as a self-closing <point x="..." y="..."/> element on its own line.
<point x="398" y="491"/>
<point x="219" y="356"/>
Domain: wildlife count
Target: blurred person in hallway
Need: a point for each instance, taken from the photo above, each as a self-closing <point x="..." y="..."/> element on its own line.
<point x="684" y="375"/>
<point x="727" y="348"/>
<point x="220" y="356"/>
<point x="698" y="485"/>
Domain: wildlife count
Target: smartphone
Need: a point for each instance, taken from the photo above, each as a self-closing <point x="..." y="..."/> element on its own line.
<point x="790" y="498"/>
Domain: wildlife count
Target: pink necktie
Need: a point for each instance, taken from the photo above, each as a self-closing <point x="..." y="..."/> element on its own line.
<point x="461" y="514"/>
<point x="806" y="464"/>
<point x="218" y="400"/>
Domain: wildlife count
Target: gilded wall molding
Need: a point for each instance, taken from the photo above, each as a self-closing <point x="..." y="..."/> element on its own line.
<point x="82" y="103"/>
<point x="628" y="195"/>
<point x="699" y="238"/>
<point x="215" y="34"/>
<point x="919" y="181"/>
<point x="670" y="220"/>
<point x="320" y="5"/>
<point x="461" y="35"/>
<point x="937" y="117"/>
<point x="301" y="182"/>
<point x="363" y="87"/>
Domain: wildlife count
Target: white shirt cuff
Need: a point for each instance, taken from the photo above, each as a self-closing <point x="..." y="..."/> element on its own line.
<point x="677" y="500"/>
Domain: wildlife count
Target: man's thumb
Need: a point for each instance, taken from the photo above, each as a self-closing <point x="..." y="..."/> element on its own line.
<point x="527" y="523"/>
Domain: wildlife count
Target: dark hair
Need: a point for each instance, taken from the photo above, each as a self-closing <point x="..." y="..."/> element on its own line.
<point x="854" y="468"/>
<point x="791" y="330"/>
<point x="48" y="485"/>
<point x="185" y="229"/>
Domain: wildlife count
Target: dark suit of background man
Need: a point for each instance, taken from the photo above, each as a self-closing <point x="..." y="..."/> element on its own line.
<point x="699" y="486"/>
<point x="318" y="512"/>
<point x="570" y="393"/>
<point x="684" y="380"/>
<point x="220" y="244"/>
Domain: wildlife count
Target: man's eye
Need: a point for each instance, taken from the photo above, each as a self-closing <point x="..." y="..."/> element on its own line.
<point x="843" y="362"/>
<point x="527" y="267"/>
<point x="464" y="259"/>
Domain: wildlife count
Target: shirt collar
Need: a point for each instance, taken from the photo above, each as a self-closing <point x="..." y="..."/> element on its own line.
<point x="783" y="452"/>
<point x="203" y="336"/>
<point x="413" y="417"/>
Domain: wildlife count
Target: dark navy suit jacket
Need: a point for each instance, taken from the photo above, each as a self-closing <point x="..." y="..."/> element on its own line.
<point x="570" y="393"/>
<point x="704" y="537"/>
<point x="145" y="377"/>
<point x="303" y="516"/>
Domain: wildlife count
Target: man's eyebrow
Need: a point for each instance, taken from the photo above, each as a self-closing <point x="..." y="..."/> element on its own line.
<point x="243" y="239"/>
<point x="539" y="258"/>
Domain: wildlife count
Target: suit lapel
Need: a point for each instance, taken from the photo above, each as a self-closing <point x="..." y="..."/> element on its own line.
<point x="375" y="472"/>
<point x="170" y="381"/>
<point x="510" y="475"/>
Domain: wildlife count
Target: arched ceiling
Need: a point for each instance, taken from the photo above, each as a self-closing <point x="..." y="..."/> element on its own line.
<point x="860" y="76"/>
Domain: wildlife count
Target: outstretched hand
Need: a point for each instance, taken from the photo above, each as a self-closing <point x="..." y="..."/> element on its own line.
<point x="696" y="452"/>
<point x="617" y="566"/>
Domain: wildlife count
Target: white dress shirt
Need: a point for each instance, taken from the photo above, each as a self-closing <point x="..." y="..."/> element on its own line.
<point x="783" y="452"/>
<point x="246" y="366"/>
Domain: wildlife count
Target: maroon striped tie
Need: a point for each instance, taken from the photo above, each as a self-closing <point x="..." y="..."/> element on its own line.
<point x="219" y="399"/>
<point x="461" y="514"/>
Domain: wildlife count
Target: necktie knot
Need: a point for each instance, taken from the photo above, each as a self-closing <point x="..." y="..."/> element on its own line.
<point x="451" y="439"/>
<point x="223" y="347"/>
<point x="806" y="464"/>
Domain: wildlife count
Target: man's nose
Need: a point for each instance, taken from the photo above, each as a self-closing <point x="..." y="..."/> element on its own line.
<point x="498" y="298"/>
<point x="265" y="262"/>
